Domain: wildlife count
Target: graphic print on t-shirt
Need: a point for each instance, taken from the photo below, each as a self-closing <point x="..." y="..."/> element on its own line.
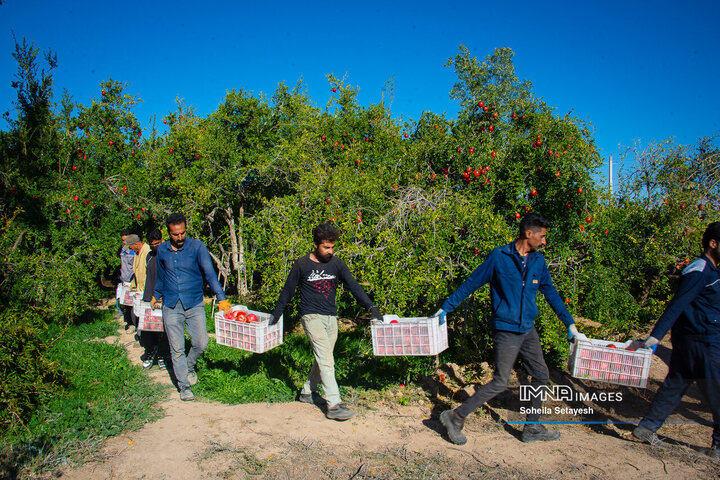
<point x="322" y="282"/>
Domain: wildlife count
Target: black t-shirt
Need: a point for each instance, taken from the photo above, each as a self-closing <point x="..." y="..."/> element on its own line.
<point x="318" y="286"/>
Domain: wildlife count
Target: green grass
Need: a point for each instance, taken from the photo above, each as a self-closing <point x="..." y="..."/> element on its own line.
<point x="102" y="395"/>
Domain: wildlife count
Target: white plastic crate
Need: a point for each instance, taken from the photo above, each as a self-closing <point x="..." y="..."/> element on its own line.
<point x="149" y="319"/>
<point x="128" y="296"/>
<point x="257" y="337"/>
<point x="595" y="360"/>
<point x="121" y="289"/>
<point x="137" y="301"/>
<point x="409" y="336"/>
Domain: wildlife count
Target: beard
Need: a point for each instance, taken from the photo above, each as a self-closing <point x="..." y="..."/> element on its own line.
<point x="323" y="258"/>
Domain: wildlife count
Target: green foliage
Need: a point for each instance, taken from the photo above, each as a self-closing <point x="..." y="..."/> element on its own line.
<point x="100" y="394"/>
<point x="420" y="204"/>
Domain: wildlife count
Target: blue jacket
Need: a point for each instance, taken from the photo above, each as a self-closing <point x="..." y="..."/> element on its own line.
<point x="513" y="289"/>
<point x="180" y="274"/>
<point x="695" y="309"/>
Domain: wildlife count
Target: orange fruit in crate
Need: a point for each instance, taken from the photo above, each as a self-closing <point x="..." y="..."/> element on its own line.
<point x="251" y="317"/>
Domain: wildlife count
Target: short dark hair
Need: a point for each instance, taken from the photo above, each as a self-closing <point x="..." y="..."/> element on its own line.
<point x="175" y="219"/>
<point x="532" y="221"/>
<point x="325" y="232"/>
<point x="124" y="231"/>
<point x="712" y="232"/>
<point x="154" y="234"/>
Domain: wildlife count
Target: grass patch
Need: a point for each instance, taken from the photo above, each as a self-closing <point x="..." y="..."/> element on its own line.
<point x="101" y="396"/>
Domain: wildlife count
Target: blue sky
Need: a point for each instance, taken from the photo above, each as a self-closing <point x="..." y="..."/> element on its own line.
<point x="638" y="71"/>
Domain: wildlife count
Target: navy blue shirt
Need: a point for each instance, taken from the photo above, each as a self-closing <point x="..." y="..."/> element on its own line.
<point x="514" y="284"/>
<point x="695" y="308"/>
<point x="180" y="274"/>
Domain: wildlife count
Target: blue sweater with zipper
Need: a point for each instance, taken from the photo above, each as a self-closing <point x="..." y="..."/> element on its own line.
<point x="694" y="311"/>
<point x="514" y="285"/>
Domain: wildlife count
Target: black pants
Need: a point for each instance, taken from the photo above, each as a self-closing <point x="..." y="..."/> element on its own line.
<point x="129" y="316"/>
<point x="508" y="345"/>
<point x="691" y="361"/>
<point x="154" y="342"/>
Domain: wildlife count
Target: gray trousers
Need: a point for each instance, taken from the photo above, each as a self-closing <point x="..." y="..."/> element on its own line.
<point x="174" y="320"/>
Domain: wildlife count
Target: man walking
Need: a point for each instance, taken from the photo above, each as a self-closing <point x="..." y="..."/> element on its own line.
<point x="154" y="343"/>
<point x="318" y="274"/>
<point x="516" y="272"/>
<point x="694" y="317"/>
<point x="127" y="257"/>
<point x="182" y="263"/>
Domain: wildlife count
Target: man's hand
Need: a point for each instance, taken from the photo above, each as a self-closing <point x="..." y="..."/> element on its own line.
<point x="224" y="305"/>
<point x="574" y="335"/>
<point x="375" y="312"/>
<point x="650" y="343"/>
<point x="156" y="304"/>
<point x="441" y="314"/>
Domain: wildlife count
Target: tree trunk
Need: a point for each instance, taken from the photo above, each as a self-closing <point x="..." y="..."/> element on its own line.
<point x="237" y="252"/>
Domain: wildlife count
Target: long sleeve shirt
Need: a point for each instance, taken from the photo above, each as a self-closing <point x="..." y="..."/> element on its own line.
<point x="150" y="277"/>
<point x="695" y="308"/>
<point x="318" y="286"/>
<point x="180" y="274"/>
<point x="514" y="285"/>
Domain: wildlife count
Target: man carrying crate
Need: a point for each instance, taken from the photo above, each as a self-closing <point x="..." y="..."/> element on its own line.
<point x="155" y="343"/>
<point x="694" y="317"/>
<point x="318" y="274"/>
<point x="182" y="263"/>
<point x="516" y="272"/>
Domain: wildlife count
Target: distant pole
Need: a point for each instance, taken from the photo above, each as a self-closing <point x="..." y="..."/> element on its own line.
<point x="611" y="176"/>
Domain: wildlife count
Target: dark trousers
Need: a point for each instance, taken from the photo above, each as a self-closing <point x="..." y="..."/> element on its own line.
<point x="691" y="361"/>
<point x="508" y="345"/>
<point x="129" y="316"/>
<point x="155" y="342"/>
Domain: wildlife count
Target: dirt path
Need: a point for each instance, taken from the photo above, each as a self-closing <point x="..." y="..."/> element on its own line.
<point x="204" y="440"/>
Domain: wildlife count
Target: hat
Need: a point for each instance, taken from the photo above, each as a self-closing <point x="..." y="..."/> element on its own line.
<point x="130" y="239"/>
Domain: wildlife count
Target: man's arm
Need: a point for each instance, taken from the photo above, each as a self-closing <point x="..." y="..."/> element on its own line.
<point x="478" y="278"/>
<point x="160" y="280"/>
<point x="291" y="283"/>
<point x="206" y="266"/>
<point x="690" y="286"/>
<point x="553" y="297"/>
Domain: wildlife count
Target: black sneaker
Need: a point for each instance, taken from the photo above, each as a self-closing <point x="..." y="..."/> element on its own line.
<point x="647" y="436"/>
<point x="536" y="432"/>
<point x="313" y="398"/>
<point x="339" y="412"/>
<point x="147" y="360"/>
<point x="454" y="425"/>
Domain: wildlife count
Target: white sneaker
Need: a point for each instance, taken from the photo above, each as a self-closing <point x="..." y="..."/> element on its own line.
<point x="161" y="363"/>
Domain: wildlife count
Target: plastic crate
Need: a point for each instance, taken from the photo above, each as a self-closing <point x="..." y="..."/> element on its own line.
<point x="121" y="288"/>
<point x="128" y="296"/>
<point x="595" y="360"/>
<point x="149" y="319"/>
<point x="257" y="337"/>
<point x="409" y="336"/>
<point x="138" y="309"/>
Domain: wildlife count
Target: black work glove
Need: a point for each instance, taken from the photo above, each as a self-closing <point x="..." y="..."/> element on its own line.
<point x="273" y="320"/>
<point x="375" y="312"/>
